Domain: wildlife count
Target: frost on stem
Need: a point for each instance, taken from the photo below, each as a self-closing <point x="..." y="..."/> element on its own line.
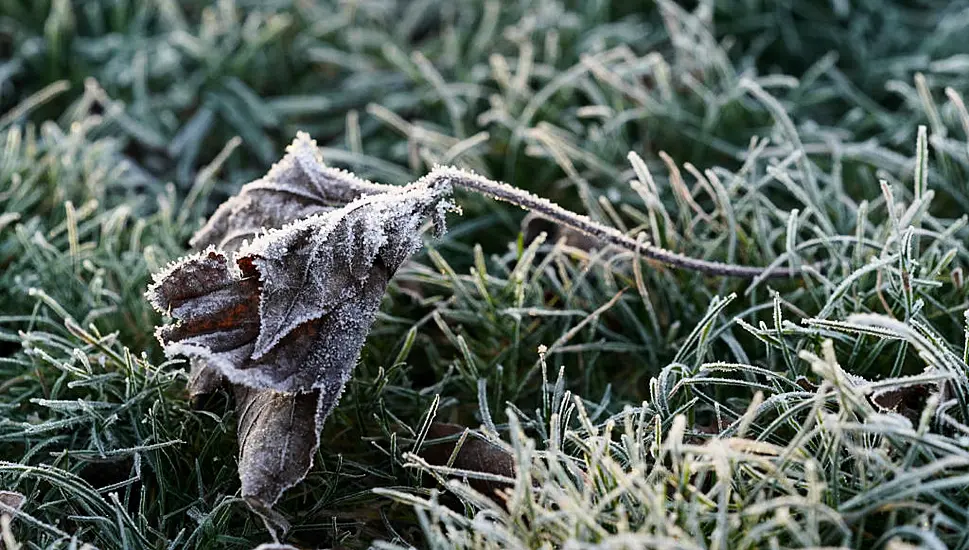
<point x="528" y="201"/>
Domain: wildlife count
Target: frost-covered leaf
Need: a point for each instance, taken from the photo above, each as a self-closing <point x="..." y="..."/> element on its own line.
<point x="290" y="311"/>
<point x="278" y="435"/>
<point x="298" y="186"/>
<point x="283" y="317"/>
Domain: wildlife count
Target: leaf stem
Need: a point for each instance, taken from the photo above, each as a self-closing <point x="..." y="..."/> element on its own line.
<point x="528" y="201"/>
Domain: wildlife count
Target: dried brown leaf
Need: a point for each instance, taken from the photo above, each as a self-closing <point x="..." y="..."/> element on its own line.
<point x="475" y="455"/>
<point x="908" y="401"/>
<point x="298" y="186"/>
<point x="281" y="299"/>
<point x="278" y="435"/>
<point x="292" y="308"/>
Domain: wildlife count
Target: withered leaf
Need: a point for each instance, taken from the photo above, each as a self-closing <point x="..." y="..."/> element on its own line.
<point x="298" y="186"/>
<point x="908" y="400"/>
<point x="278" y="435"/>
<point x="290" y="311"/>
<point x="283" y="317"/>
<point x="475" y="455"/>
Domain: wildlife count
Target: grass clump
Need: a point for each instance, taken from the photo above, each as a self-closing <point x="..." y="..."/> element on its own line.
<point x="642" y="405"/>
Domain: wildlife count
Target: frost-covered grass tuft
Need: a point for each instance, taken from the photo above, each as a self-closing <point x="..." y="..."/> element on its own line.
<point x="643" y="405"/>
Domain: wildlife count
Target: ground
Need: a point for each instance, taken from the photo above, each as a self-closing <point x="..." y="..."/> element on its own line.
<point x="639" y="404"/>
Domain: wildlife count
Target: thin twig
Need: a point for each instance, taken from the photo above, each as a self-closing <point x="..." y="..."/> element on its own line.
<point x="528" y="201"/>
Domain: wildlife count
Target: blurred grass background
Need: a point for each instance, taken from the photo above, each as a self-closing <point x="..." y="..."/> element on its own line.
<point x="670" y="410"/>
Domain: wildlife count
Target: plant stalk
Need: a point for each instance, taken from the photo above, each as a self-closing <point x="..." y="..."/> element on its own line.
<point x="504" y="192"/>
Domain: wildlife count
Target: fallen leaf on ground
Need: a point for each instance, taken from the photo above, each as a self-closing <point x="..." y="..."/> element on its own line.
<point x="475" y="455"/>
<point x="281" y="299"/>
<point x="908" y="400"/>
